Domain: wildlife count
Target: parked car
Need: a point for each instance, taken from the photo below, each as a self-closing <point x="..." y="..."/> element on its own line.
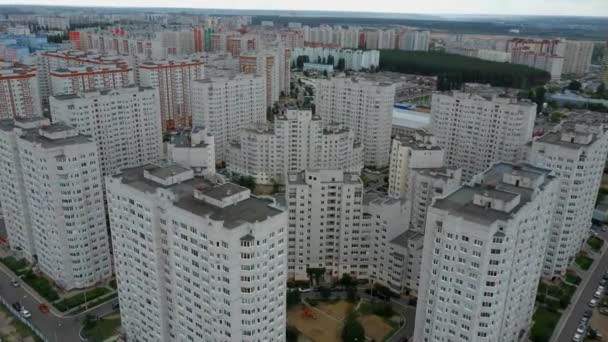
<point x="604" y="310"/>
<point x="593" y="303"/>
<point x="601" y="288"/>
<point x="576" y="338"/>
<point x="15" y="282"/>
<point x="25" y="313"/>
<point x="605" y="277"/>
<point x="597" y="294"/>
<point x="581" y="329"/>
<point x="588" y="313"/>
<point x="304" y="290"/>
<point x="603" y="282"/>
<point x="43" y="308"/>
<point x="17" y="306"/>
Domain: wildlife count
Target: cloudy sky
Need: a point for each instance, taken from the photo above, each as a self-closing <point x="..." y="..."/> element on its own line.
<point x="544" y="7"/>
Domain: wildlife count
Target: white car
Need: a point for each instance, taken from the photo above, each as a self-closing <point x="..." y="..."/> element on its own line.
<point x="25" y="313"/>
<point x="580" y="329"/>
<point x="15" y="282"/>
<point x="593" y="303"/>
<point x="305" y="290"/>
<point x="601" y="288"/>
<point x="576" y="338"/>
<point x="597" y="294"/>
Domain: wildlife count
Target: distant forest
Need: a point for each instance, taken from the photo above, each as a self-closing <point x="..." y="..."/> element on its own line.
<point x="454" y="70"/>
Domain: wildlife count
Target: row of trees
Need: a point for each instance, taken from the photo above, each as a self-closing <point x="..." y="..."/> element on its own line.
<point x="330" y="60"/>
<point x="454" y="70"/>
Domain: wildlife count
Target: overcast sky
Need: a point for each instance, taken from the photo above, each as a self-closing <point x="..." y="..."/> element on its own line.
<point x="544" y="7"/>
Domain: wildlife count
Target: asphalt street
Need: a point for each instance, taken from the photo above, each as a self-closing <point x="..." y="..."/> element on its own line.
<point x="598" y="269"/>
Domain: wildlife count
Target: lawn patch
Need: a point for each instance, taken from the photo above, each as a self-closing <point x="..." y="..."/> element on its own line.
<point x="544" y="324"/>
<point x="583" y="261"/>
<point x="79" y="299"/>
<point x="41" y="285"/>
<point x="572" y="278"/>
<point x="15" y="264"/>
<point x="100" y="330"/>
<point x="595" y="243"/>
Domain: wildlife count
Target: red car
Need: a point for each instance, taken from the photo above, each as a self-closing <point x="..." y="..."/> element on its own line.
<point x="43" y="308"/>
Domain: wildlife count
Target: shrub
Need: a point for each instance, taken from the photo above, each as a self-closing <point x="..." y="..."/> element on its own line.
<point x="292" y="333"/>
<point x="293" y="298"/>
<point x="352" y="330"/>
<point x="325" y="292"/>
<point x="14" y="264"/>
<point x="41" y="285"/>
<point x="79" y="299"/>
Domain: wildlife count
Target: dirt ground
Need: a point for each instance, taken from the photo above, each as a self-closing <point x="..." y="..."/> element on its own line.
<point x="375" y="327"/>
<point x="321" y="329"/>
<point x="600" y="322"/>
<point x="8" y="332"/>
<point x="339" y="310"/>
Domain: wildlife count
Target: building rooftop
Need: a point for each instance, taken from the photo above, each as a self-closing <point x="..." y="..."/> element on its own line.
<point x="250" y="210"/>
<point x="492" y="185"/>
<point x="403" y="238"/>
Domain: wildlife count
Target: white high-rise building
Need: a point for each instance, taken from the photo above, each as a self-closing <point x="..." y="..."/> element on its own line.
<point x="414" y="40"/>
<point x="411" y="152"/>
<point x="195" y="260"/>
<point x="483" y="256"/>
<point x="273" y="66"/>
<point x="577" y="155"/>
<point x="125" y="124"/>
<point x="193" y="148"/>
<point x="226" y="105"/>
<point x="19" y="96"/>
<point x="326" y="225"/>
<point x="477" y="130"/>
<point x="353" y="59"/>
<point x="366" y="107"/>
<point x="296" y="141"/>
<point x="577" y="57"/>
<point x="173" y="79"/>
<point x="52" y="196"/>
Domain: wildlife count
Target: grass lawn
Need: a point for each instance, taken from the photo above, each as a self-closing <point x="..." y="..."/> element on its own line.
<point x="583" y="262"/>
<point x="102" y="329"/>
<point x="544" y="323"/>
<point x="79" y="299"/>
<point x="595" y="243"/>
<point x="572" y="278"/>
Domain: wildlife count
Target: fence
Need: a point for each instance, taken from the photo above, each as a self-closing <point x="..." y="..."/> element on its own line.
<point x="23" y="320"/>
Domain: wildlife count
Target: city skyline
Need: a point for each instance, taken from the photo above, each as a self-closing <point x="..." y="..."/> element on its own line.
<point x="592" y="8"/>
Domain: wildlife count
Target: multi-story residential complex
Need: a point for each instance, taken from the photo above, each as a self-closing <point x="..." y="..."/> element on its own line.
<point x="193" y="148"/>
<point x="72" y="80"/>
<point x="296" y="141"/>
<point x="550" y="63"/>
<point x="414" y="40"/>
<point x="411" y="152"/>
<point x="51" y="22"/>
<point x="52" y="200"/>
<point x="19" y="96"/>
<point x="365" y="107"/>
<point x="476" y="130"/>
<point x="576" y="153"/>
<point x="604" y="69"/>
<point x="273" y="66"/>
<point x="195" y="260"/>
<point x="125" y="124"/>
<point x="226" y="105"/>
<point x="577" y="57"/>
<point x="399" y="269"/>
<point x="326" y="225"/>
<point x="173" y="79"/>
<point x="353" y="59"/>
<point x="483" y="255"/>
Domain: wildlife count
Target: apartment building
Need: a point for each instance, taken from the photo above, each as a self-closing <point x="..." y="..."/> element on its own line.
<point x="483" y="256"/>
<point x="226" y="105"/>
<point x="576" y="152"/>
<point x="173" y="79"/>
<point x="365" y="107"/>
<point x="52" y="200"/>
<point x="124" y="123"/>
<point x="194" y="148"/>
<point x="326" y="224"/>
<point x="297" y="140"/>
<point x="19" y="95"/>
<point x="353" y="59"/>
<point x="267" y="65"/>
<point x="196" y="260"/>
<point x="476" y="130"/>
<point x="577" y="57"/>
<point x="72" y="80"/>
<point x="414" y="40"/>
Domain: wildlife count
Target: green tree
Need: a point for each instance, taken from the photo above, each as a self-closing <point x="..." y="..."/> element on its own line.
<point x="325" y="73"/>
<point x="575" y="85"/>
<point x="293" y="298"/>
<point x="330" y="60"/>
<point x="341" y="64"/>
<point x="539" y="98"/>
<point x="353" y="330"/>
<point x="600" y="92"/>
<point x="351" y="294"/>
<point x="325" y="292"/>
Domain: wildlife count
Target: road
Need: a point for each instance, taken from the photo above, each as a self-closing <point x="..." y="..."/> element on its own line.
<point x="581" y="303"/>
<point x="56" y="329"/>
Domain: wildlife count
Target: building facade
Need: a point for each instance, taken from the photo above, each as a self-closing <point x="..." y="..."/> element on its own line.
<point x="483" y="254"/>
<point x="19" y="95"/>
<point x="74" y="80"/>
<point x="193" y="148"/>
<point x="124" y="123"/>
<point x="577" y="155"/>
<point x="195" y="260"/>
<point x="173" y="79"/>
<point x="577" y="57"/>
<point x="365" y="107"/>
<point x="476" y="130"/>
<point x="52" y="199"/>
<point x="226" y="105"/>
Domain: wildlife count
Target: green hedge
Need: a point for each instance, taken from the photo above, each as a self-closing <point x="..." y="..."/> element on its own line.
<point x="41" y="285"/>
<point x="79" y="299"/>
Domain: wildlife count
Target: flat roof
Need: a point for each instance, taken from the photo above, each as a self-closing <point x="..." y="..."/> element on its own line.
<point x="555" y="138"/>
<point x="167" y="171"/>
<point x="403" y="238"/>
